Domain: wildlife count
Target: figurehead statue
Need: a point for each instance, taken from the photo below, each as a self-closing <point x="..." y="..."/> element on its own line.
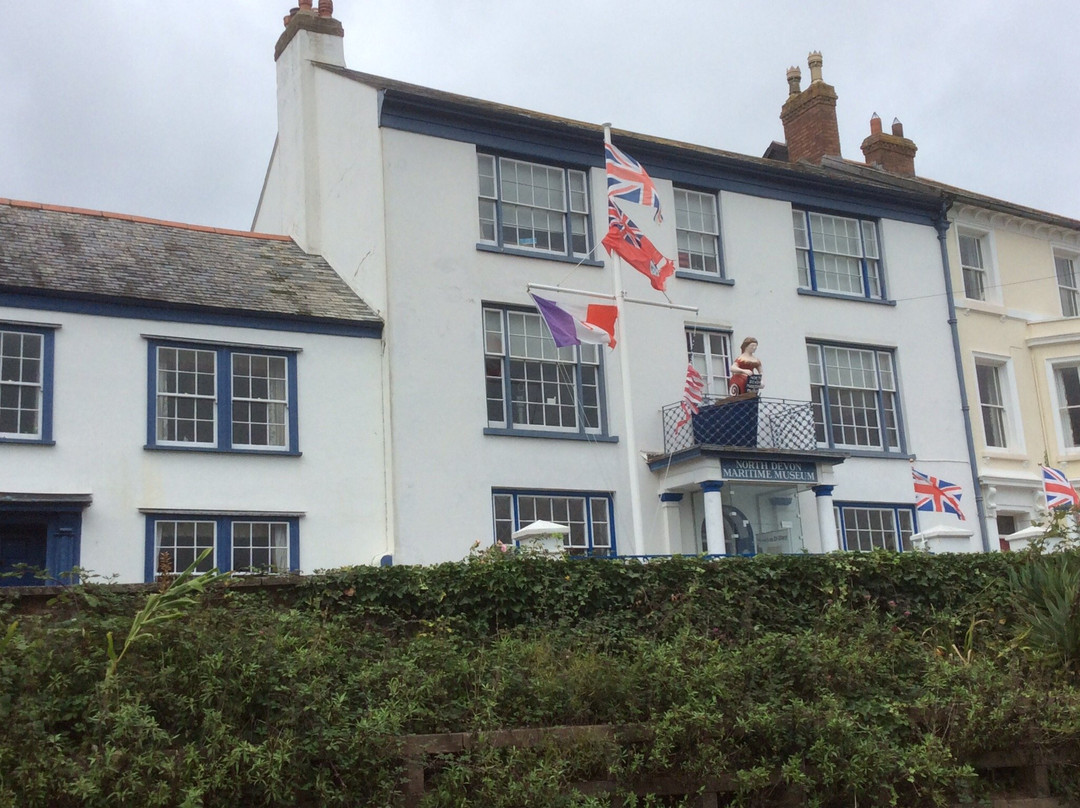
<point x="746" y="370"/>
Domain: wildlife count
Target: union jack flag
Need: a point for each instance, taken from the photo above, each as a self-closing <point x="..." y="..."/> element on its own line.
<point x="624" y="238"/>
<point x="626" y="179"/>
<point x="1059" y="491"/>
<point x="934" y="494"/>
<point x="693" y="395"/>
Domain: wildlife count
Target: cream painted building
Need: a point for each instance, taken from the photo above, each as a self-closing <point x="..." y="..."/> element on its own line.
<point x="1015" y="282"/>
<point x="1016" y="277"/>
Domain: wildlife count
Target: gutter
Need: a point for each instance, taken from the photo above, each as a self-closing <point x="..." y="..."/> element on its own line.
<point x="941" y="224"/>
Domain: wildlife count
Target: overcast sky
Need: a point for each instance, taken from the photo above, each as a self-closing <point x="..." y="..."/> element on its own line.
<point x="166" y="108"/>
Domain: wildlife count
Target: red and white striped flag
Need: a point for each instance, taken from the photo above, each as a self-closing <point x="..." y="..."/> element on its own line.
<point x="693" y="395"/>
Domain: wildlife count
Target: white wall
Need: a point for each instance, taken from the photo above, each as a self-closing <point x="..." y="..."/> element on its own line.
<point x="100" y="431"/>
<point x="395" y="213"/>
<point x="445" y="467"/>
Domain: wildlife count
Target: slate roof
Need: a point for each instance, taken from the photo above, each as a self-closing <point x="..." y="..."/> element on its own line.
<point x="108" y="257"/>
<point x="530" y="121"/>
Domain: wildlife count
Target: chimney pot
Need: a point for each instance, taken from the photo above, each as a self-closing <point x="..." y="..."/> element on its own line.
<point x="897" y="127"/>
<point x="875" y="124"/>
<point x="794" y="79"/>
<point x="305" y="5"/>
<point x="326" y="8"/>
<point x="809" y="117"/>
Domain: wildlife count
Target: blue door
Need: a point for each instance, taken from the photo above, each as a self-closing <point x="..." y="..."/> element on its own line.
<point x="22" y="548"/>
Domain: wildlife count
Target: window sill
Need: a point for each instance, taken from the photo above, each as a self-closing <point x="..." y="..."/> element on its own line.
<point x="28" y="441"/>
<point x="215" y="450"/>
<point x="544" y="256"/>
<point x="893" y="455"/>
<point x="998" y="453"/>
<point x="703" y="277"/>
<point x="984" y="306"/>
<point x="837" y="296"/>
<point x="531" y="433"/>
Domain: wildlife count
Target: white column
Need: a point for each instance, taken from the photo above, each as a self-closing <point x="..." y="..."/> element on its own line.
<point x="670" y="504"/>
<point x="826" y="519"/>
<point x="714" y="516"/>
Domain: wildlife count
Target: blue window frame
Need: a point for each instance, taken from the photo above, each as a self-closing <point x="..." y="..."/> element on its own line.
<point x="536" y="388"/>
<point x="855" y="397"/>
<point x="535" y="208"/>
<point x="590" y="516"/>
<point x="697" y="231"/>
<point x="26" y="384"/>
<point x="245" y="543"/>
<point x="866" y="526"/>
<point x="221" y="398"/>
<point x="838" y="255"/>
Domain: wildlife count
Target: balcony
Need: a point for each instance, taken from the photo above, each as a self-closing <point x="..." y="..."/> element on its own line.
<point x="742" y="422"/>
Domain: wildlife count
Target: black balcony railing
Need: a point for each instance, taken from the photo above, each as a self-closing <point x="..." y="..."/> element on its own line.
<point x="741" y="421"/>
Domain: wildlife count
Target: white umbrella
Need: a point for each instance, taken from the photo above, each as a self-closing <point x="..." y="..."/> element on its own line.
<point x="544" y="537"/>
<point x="540" y="528"/>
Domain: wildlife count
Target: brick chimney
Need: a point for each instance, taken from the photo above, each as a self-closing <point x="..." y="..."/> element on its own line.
<point x="305" y="18"/>
<point x="809" y="116"/>
<point x="893" y="153"/>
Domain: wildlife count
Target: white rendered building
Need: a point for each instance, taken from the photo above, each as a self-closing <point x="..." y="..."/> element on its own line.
<point x="440" y="210"/>
<point x="165" y="389"/>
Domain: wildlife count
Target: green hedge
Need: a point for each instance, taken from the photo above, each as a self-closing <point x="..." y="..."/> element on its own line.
<point x="872" y="678"/>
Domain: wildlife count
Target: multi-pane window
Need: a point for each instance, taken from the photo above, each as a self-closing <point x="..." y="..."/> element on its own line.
<point x="186" y="395"/>
<point x="883" y="527"/>
<point x="989" y="376"/>
<point x="710" y="354"/>
<point x="24" y="378"/>
<point x="837" y="254"/>
<point x="973" y="265"/>
<point x="532" y="206"/>
<point x="1068" y="288"/>
<point x="697" y="228"/>
<point x="532" y="384"/>
<point x="179" y="543"/>
<point x="588" y="515"/>
<point x="260" y="401"/>
<point x="1067" y="379"/>
<point x="260" y="546"/>
<point x="222" y="397"/>
<point x="259" y="543"/>
<point x="854" y="397"/>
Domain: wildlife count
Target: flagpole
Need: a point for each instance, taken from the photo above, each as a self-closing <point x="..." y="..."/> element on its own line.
<point x="632" y="460"/>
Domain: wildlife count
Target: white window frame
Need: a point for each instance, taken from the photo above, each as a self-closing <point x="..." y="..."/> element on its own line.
<point x="1008" y="407"/>
<point x="197" y="545"/>
<point x="164" y="414"/>
<point x="1066" y="444"/>
<point x="270" y="391"/>
<point x="830" y="397"/>
<point x="818" y="254"/>
<point x="502" y="208"/>
<point x="278" y="538"/>
<point x="697" y="231"/>
<point x="867" y="520"/>
<point x="530" y="383"/>
<point x="24" y="376"/>
<point x="592" y="534"/>
<point x="1067" y="272"/>
<point x="986" y="274"/>
<point x="713" y="360"/>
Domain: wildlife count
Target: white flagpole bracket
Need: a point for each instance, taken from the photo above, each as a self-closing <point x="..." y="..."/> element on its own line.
<point x="676" y="306"/>
<point x="583" y="292"/>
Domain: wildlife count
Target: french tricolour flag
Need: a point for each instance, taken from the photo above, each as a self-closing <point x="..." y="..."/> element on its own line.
<point x="572" y="324"/>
